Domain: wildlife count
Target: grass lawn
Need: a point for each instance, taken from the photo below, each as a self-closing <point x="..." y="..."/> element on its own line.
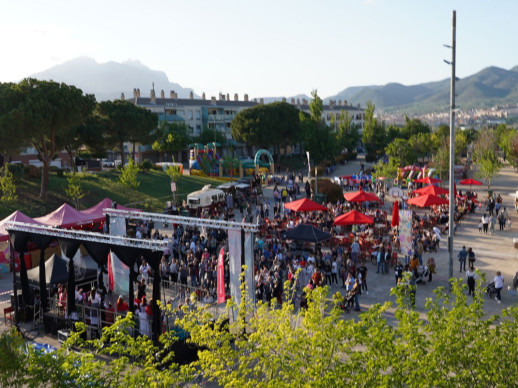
<point x="151" y="195"/>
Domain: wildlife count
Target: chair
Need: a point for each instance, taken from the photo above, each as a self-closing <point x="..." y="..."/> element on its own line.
<point x="9" y="315"/>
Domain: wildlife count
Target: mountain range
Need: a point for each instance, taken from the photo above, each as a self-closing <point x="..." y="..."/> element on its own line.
<point x="489" y="87"/>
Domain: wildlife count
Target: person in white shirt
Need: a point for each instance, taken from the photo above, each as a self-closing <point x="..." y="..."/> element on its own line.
<point x="144" y="270"/>
<point x="499" y="284"/>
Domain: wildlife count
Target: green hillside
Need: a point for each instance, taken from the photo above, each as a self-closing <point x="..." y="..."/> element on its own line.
<point x="151" y="195"/>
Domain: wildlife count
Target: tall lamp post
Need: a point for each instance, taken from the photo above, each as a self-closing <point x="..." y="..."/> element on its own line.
<point x="452" y="63"/>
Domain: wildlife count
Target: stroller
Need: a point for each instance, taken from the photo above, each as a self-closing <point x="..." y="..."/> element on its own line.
<point x="491" y="290"/>
<point x="422" y="274"/>
<point x="348" y="301"/>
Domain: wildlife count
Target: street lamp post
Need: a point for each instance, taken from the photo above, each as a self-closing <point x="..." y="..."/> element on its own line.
<point x="451" y="206"/>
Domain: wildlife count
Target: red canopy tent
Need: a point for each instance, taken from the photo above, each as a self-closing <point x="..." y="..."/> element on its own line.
<point x="17" y="216"/>
<point x="353" y="218"/>
<point x="432" y="190"/>
<point x="361" y="196"/>
<point x="395" y="214"/>
<point x="305" y="205"/>
<point x="427" y="180"/>
<point x="427" y="200"/>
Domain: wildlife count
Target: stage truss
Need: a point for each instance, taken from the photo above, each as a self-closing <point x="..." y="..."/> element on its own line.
<point x="189" y="221"/>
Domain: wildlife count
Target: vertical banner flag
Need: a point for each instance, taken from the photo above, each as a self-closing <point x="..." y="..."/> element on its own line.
<point x="221" y="276"/>
<point x="120" y="274"/>
<point x="249" y="262"/>
<point x="234" y="248"/>
<point x="405" y="230"/>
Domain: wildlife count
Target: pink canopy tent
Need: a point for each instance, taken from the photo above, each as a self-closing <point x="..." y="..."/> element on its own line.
<point x="17" y="216"/>
<point x="96" y="212"/>
<point x="66" y="217"/>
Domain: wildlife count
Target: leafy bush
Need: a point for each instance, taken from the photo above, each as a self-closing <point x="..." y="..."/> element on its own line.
<point x="16" y="170"/>
<point x="58" y="171"/>
<point x="32" y="171"/>
<point x="331" y="190"/>
<point x="146" y="164"/>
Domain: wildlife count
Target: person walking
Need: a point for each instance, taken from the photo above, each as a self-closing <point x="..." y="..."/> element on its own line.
<point x="363" y="273"/>
<point x="463" y="255"/>
<point x="398" y="272"/>
<point x="492" y="222"/>
<point x="471" y="257"/>
<point x="499" y="284"/>
<point x="470" y="279"/>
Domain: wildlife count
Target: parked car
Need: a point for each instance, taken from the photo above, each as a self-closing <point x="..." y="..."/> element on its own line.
<point x="108" y="163"/>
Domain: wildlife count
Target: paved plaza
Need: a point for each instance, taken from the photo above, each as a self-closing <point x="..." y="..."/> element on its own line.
<point x="493" y="253"/>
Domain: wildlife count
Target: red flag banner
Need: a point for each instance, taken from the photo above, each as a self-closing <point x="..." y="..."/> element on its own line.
<point x="221" y="276"/>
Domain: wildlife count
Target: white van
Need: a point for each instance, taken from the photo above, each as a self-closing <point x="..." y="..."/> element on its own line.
<point x="206" y="197"/>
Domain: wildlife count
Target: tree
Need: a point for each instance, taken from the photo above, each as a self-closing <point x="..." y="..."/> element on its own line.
<point x="400" y="153"/>
<point x="347" y="133"/>
<point x="129" y="175"/>
<point x="74" y="190"/>
<point x="127" y="122"/>
<point x="414" y="127"/>
<point x="421" y="144"/>
<point x="116" y="360"/>
<point x="171" y="137"/>
<point x="272" y="125"/>
<point x="386" y="170"/>
<point x="209" y="135"/>
<point x="45" y="113"/>
<point x="7" y="185"/>
<point x="485" y="155"/>
<point x="326" y="147"/>
<point x="441" y="158"/>
<point x="373" y="136"/>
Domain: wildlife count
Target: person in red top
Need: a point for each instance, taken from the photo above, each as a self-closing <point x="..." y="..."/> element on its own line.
<point x="110" y="310"/>
<point x="122" y="306"/>
<point x="317" y="277"/>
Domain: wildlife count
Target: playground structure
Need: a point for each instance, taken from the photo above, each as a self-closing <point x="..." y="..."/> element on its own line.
<point x="409" y="173"/>
<point x="201" y="157"/>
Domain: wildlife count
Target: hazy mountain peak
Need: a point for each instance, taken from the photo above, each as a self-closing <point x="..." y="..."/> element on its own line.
<point x="108" y="80"/>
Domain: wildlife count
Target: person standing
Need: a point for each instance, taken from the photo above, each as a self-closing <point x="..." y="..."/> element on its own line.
<point x="355" y="251"/>
<point x="470" y="279"/>
<point x="485" y="222"/>
<point x="334" y="272"/>
<point x="398" y="272"/>
<point x="499" y="284"/>
<point x="463" y="254"/>
<point x="505" y="217"/>
<point x="363" y="273"/>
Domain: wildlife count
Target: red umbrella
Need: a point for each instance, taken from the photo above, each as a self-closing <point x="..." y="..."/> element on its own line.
<point x="353" y="218"/>
<point x="305" y="205"/>
<point x="395" y="214"/>
<point x="470" y="182"/>
<point x="361" y="196"/>
<point x="427" y="180"/>
<point x="427" y="200"/>
<point x="432" y="189"/>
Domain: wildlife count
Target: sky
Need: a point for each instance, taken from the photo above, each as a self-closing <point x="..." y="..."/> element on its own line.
<point x="263" y="48"/>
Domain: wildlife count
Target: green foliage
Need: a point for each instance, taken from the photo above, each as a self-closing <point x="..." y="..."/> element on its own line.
<point x="386" y="170"/>
<point x="146" y="164"/>
<point x="74" y="191"/>
<point x="173" y="172"/>
<point x="115" y="360"/>
<point x="400" y="153"/>
<point x="414" y="127"/>
<point x="441" y="158"/>
<point x="129" y="175"/>
<point x="270" y="125"/>
<point x="208" y="135"/>
<point x="326" y="147"/>
<point x="485" y="155"/>
<point x="45" y="114"/>
<point x="172" y="137"/>
<point x="347" y="133"/>
<point x="373" y="136"/>
<point x="7" y="185"/>
<point x="16" y="170"/>
<point x="127" y="122"/>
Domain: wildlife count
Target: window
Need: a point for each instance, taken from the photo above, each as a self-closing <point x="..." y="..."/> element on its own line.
<point x="189" y="115"/>
<point x="198" y="115"/>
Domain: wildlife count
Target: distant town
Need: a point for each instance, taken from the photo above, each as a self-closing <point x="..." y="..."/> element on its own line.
<point x="471" y="118"/>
